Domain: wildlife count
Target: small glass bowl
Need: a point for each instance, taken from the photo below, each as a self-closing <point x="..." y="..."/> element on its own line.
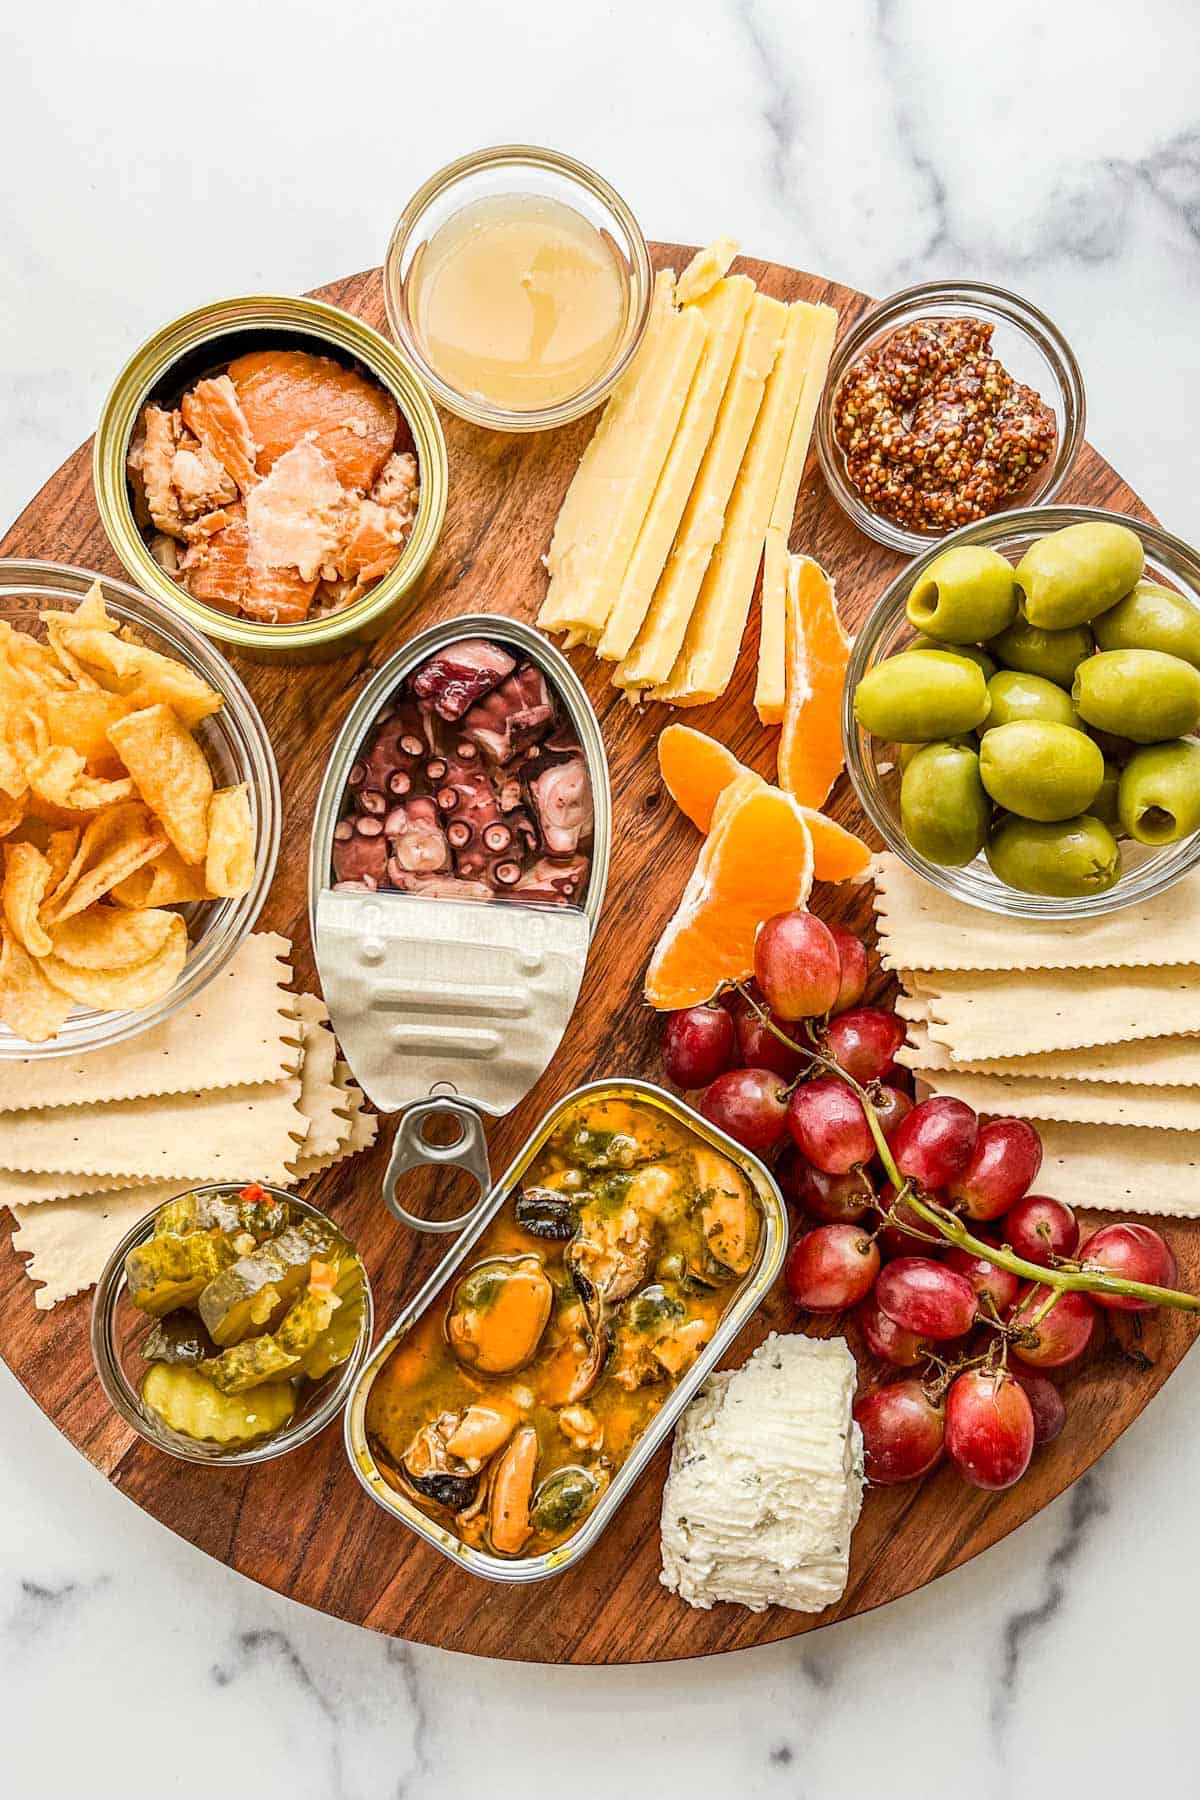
<point x="118" y="1327"/>
<point x="875" y="774"/>
<point x="1029" y="345"/>
<point x="519" y="169"/>
<point x="238" y="749"/>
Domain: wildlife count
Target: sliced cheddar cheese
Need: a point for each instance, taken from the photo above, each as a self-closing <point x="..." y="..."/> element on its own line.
<point x="705" y="270"/>
<point x="770" y="691"/>
<point x="724" y="307"/>
<point x="706" y="661"/>
<point x="657" y="645"/>
<point x="614" y="484"/>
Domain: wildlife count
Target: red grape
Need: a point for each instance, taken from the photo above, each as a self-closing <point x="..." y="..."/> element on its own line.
<point x="894" y="1240"/>
<point x="1006" y="1157"/>
<point x="759" y="1048"/>
<point x="1038" y="1228"/>
<point x="864" y="1042"/>
<point x="833" y="1199"/>
<point x="1047" y="1404"/>
<point x="751" y="1105"/>
<point x="926" y="1297"/>
<point x="852" y="957"/>
<point x="887" y="1340"/>
<point x="831" y="1268"/>
<point x="697" y="1045"/>
<point x="902" y="1432"/>
<point x="1135" y="1253"/>
<point x="1059" y="1338"/>
<point x="989" y="1428"/>
<point x="890" y="1107"/>
<point x="829" y="1125"/>
<point x="935" y="1142"/>
<point x="797" y="966"/>
<point x="1000" y="1285"/>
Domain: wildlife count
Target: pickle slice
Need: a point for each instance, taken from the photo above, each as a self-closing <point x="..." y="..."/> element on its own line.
<point x="170" y="1271"/>
<point x="232" y="1213"/>
<point x="335" y="1344"/>
<point x="178" y="1338"/>
<point x="248" y="1364"/>
<point x="187" y="1403"/>
<point x="254" y="1294"/>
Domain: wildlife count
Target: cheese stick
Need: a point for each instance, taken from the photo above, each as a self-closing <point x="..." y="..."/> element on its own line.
<point x="705" y="270"/>
<point x="706" y="662"/>
<point x="614" y="484"/>
<point x="724" y="307"/>
<point x="770" y="693"/>
<point x="658" y="642"/>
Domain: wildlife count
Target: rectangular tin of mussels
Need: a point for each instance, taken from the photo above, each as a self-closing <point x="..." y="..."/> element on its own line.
<point x="745" y="1302"/>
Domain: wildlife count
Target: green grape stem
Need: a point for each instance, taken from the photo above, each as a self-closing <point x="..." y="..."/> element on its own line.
<point x="1067" y="1279"/>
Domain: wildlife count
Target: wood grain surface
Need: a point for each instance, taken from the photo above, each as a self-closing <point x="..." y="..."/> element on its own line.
<point x="302" y="1524"/>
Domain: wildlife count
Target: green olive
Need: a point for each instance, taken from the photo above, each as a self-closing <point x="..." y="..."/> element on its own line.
<point x="943" y="808"/>
<point x="1145" y="695"/>
<point x="1104" y="806"/>
<point x="972" y="652"/>
<point x="919" y="698"/>
<point x="1015" y="695"/>
<point x="1066" y="859"/>
<point x="1039" y="770"/>
<point x="1074" y="575"/>
<point x="1152" y="618"/>
<point x="965" y="594"/>
<point x="963" y="740"/>
<point x="1159" y="795"/>
<point x="1053" y="654"/>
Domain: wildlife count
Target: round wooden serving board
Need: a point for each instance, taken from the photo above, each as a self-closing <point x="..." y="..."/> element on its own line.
<point x="302" y="1524"/>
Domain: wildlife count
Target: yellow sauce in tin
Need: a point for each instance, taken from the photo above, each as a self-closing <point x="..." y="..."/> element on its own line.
<point x="512" y="1402"/>
<point x="519" y="301"/>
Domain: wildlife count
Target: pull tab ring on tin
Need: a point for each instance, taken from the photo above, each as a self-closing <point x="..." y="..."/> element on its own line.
<point x="411" y="1149"/>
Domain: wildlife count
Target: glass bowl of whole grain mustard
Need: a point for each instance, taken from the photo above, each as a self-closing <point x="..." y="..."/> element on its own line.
<point x="945" y="404"/>
<point x="273" y="470"/>
<point x="519" y="283"/>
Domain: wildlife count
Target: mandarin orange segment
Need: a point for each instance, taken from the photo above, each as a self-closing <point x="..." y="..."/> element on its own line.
<point x="818" y="654"/>
<point x="287" y="395"/>
<point x="757" y="860"/>
<point x="695" y="769"/>
<point x="837" y="854"/>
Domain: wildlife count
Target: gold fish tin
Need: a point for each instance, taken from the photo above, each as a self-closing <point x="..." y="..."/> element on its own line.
<point x="446" y="1005"/>
<point x="202" y="341"/>
<point x="746" y="1301"/>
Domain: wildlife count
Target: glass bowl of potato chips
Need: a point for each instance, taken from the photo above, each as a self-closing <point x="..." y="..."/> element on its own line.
<point x="139" y="811"/>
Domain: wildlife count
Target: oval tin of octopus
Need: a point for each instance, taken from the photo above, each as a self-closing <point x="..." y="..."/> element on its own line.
<point x="442" y="997"/>
<point x="753" y="1289"/>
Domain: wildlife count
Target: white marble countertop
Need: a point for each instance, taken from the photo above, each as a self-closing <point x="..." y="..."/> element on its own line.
<point x="149" y="160"/>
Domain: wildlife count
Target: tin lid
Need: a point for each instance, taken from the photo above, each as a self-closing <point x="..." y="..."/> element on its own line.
<point x="436" y="997"/>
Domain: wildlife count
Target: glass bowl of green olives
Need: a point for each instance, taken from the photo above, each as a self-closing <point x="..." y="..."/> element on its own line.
<point x="1021" y="716"/>
<point x="230" y="1323"/>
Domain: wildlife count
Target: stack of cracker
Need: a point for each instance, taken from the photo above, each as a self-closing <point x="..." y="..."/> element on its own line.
<point x="243" y="1083"/>
<point x="1090" y="1028"/>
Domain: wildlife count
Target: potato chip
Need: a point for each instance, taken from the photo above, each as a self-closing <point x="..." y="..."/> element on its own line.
<point x="11" y="813"/>
<point x="28" y="1004"/>
<point x="143" y="676"/>
<point x="60" y="854"/>
<point x="167" y="881"/>
<point x="80" y="720"/>
<point x="27" y="880"/>
<point x="112" y="847"/>
<point x="58" y="780"/>
<point x="92" y="611"/>
<point x="23" y="737"/>
<point x="29" y="660"/>
<point x="109" y="989"/>
<point x="229" y="863"/>
<point x="171" y="772"/>
<point x="111" y="937"/>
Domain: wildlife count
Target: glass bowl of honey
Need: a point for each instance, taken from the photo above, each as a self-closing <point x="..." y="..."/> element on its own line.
<point x="519" y="283"/>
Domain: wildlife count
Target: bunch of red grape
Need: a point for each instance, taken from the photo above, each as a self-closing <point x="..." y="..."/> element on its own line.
<point x="968" y="1341"/>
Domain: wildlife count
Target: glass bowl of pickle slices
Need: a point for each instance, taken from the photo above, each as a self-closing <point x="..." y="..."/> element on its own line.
<point x="229" y="1324"/>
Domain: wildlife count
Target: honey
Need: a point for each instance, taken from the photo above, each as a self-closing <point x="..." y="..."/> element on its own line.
<point x="518" y="301"/>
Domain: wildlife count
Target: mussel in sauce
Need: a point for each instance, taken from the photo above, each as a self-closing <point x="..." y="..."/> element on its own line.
<point x="727" y="1211"/>
<point x="432" y="1472"/>
<point x="498" y="1314"/>
<point x="563" y="1499"/>
<point x="509" y="1525"/>
<point x="545" y="1213"/>
<point x="657" y="1336"/>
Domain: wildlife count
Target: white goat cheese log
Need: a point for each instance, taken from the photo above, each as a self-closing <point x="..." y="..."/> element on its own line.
<point x="766" y="1481"/>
